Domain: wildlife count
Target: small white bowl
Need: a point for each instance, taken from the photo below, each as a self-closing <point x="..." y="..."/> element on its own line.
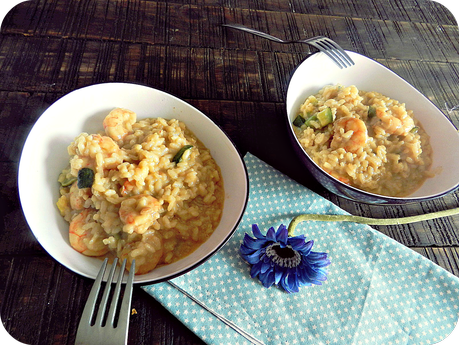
<point x="45" y="154"/>
<point x="318" y="71"/>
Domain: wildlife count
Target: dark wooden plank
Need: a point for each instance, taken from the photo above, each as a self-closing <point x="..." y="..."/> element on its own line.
<point x="174" y="24"/>
<point x="18" y="113"/>
<point x="16" y="236"/>
<point x="447" y="258"/>
<point x="406" y="10"/>
<point x="401" y="40"/>
<point x="193" y="73"/>
<point x="120" y="20"/>
<point x="29" y="288"/>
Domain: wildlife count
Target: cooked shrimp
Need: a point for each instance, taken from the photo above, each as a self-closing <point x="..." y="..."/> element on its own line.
<point x="147" y="252"/>
<point x="139" y="212"/>
<point x="118" y="123"/>
<point x="86" y="237"/>
<point x="78" y="197"/>
<point x="126" y="188"/>
<point x="397" y="125"/>
<point x="349" y="133"/>
<point x="94" y="150"/>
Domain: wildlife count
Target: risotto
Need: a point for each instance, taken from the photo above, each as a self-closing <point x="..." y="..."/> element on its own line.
<point x="147" y="190"/>
<point x="365" y="139"/>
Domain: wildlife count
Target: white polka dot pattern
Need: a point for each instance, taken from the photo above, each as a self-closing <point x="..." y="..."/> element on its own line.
<point x="378" y="291"/>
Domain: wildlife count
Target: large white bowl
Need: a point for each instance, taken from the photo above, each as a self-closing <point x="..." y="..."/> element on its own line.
<point x="318" y="71"/>
<point x="45" y="154"/>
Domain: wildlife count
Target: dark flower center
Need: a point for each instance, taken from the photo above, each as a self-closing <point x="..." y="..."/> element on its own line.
<point x="284" y="257"/>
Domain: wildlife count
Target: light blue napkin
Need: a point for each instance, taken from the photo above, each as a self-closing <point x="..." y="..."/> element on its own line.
<point x="378" y="291"/>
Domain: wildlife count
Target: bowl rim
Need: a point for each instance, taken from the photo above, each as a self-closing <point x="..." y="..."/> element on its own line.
<point x="376" y="198"/>
<point x="28" y="147"/>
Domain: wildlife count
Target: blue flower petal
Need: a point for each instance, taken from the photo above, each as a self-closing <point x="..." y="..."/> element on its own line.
<point x="290" y="283"/>
<point x="282" y="234"/>
<point x="266" y="266"/>
<point x="254" y="257"/>
<point x="244" y="250"/>
<point x="255" y="271"/>
<point x="271" y="235"/>
<point x="303" y="278"/>
<point x="253" y="242"/>
<point x="297" y="243"/>
<point x="315" y="257"/>
<point x="323" y="275"/>
<point x="315" y="276"/>
<point x="267" y="278"/>
<point x="323" y="263"/>
<point x="307" y="248"/>
<point x="256" y="232"/>
<point x="293" y="282"/>
<point x="278" y="275"/>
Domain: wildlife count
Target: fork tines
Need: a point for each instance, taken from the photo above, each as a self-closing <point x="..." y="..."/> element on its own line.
<point x="107" y="329"/>
<point x="332" y="49"/>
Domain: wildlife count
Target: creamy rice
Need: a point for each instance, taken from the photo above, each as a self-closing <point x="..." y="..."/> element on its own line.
<point x="141" y="204"/>
<point x="365" y="139"/>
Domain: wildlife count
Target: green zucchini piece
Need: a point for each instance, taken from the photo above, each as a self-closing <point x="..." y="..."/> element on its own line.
<point x="299" y="121"/>
<point x="318" y="120"/>
<point x="321" y="119"/>
<point x="325" y="117"/>
<point x="85" y="178"/>
<point x="178" y="156"/>
<point x="65" y="178"/>
<point x="313" y="122"/>
<point x="371" y="112"/>
<point x="69" y="181"/>
<point x="313" y="100"/>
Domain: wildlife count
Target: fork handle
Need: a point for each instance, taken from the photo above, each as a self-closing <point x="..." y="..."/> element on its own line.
<point x="254" y="32"/>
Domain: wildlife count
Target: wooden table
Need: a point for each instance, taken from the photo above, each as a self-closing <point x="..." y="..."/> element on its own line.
<point x="51" y="47"/>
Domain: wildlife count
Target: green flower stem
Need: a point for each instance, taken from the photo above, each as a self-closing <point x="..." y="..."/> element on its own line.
<point x="370" y="221"/>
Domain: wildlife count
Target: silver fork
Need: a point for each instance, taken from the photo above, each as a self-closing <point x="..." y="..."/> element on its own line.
<point x="324" y="44"/>
<point x="105" y="330"/>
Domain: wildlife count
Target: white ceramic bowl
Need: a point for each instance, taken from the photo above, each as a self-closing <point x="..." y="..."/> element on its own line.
<point x="45" y="154"/>
<point x="318" y="71"/>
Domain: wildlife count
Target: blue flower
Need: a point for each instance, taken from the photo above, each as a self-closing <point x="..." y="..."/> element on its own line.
<point x="282" y="260"/>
